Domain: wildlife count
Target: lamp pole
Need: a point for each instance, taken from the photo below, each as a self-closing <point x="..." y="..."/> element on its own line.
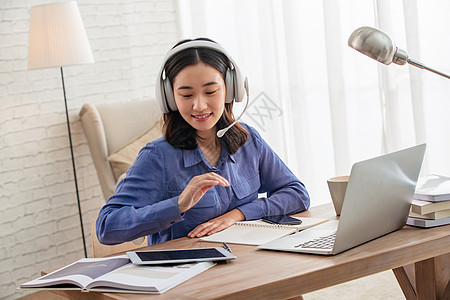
<point x="73" y="164"/>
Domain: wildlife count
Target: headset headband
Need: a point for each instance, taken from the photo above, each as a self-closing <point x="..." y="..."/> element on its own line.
<point x="164" y="92"/>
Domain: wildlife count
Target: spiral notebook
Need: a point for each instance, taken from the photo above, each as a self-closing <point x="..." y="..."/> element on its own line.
<point x="257" y="232"/>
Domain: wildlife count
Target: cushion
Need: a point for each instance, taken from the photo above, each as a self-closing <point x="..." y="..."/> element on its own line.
<point x="123" y="158"/>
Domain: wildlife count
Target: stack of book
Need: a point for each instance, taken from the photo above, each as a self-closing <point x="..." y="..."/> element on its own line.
<point x="431" y="203"/>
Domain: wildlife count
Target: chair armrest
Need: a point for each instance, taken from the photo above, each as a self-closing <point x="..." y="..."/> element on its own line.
<point x="95" y="134"/>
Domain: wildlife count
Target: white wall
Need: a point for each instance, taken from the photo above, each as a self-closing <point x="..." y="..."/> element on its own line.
<point x="39" y="224"/>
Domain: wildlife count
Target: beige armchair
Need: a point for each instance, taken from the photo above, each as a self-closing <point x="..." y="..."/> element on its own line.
<point x="111" y="127"/>
<point x="118" y="129"/>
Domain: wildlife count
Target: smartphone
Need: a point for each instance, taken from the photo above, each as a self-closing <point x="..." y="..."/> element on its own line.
<point x="282" y="219"/>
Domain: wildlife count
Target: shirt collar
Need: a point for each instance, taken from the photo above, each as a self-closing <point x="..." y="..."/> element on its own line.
<point x="225" y="152"/>
<point x="225" y="155"/>
<point x="193" y="157"/>
<point x="231" y="157"/>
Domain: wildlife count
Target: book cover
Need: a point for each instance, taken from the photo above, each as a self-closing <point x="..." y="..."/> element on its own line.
<point x="424" y="223"/>
<point x="116" y="274"/>
<point x="257" y="232"/>
<point x="425" y="207"/>
<point x="433" y="188"/>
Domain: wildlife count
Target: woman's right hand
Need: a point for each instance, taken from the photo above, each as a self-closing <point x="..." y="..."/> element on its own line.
<point x="197" y="187"/>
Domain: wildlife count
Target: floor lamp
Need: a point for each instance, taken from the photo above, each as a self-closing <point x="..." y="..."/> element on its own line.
<point x="57" y="38"/>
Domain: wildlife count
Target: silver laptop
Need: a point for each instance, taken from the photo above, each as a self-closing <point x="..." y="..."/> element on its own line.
<point x="377" y="201"/>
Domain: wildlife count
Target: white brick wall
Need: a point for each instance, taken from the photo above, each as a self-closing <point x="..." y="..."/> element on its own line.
<point x="39" y="223"/>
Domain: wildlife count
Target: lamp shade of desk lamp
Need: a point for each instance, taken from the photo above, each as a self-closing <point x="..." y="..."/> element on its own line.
<point x="379" y="46"/>
<point x="57" y="38"/>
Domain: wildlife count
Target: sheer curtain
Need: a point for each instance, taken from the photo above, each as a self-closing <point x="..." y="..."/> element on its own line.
<point x="320" y="104"/>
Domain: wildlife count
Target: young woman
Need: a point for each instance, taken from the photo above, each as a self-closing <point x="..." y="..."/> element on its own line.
<point x="190" y="182"/>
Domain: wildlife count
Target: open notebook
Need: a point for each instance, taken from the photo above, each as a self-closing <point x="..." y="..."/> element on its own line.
<point x="257" y="232"/>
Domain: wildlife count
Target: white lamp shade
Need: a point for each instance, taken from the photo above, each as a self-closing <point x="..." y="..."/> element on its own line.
<point x="57" y="36"/>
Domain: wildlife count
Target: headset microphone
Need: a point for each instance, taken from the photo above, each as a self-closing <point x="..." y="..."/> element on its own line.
<point x="221" y="132"/>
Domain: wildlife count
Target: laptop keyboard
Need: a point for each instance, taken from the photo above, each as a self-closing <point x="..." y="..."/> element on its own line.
<point x="325" y="242"/>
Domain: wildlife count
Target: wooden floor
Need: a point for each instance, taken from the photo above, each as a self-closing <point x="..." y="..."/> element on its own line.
<point x="375" y="287"/>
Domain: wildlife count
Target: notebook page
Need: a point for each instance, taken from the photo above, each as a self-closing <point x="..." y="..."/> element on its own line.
<point x="248" y="235"/>
<point x="257" y="232"/>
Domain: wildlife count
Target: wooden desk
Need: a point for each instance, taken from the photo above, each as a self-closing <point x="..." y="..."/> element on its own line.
<point x="262" y="274"/>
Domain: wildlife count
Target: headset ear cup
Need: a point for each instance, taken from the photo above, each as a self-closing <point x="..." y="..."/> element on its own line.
<point x="229" y="85"/>
<point x="238" y="85"/>
<point x="159" y="93"/>
<point x="237" y="89"/>
<point x="168" y="92"/>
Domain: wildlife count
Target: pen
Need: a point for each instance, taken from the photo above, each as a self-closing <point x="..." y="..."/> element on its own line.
<point x="226" y="247"/>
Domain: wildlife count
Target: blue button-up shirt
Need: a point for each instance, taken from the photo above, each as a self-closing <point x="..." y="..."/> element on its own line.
<point x="146" y="200"/>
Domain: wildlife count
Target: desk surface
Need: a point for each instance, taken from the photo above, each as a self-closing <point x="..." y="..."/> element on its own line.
<point x="262" y="274"/>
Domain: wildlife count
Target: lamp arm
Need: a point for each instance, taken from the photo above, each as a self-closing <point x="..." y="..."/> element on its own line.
<point x="422" y="66"/>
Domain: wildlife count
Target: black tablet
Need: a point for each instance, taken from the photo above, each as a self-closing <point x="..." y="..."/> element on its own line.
<point x="155" y="257"/>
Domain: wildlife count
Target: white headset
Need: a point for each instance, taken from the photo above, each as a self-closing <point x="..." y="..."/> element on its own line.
<point x="235" y="83"/>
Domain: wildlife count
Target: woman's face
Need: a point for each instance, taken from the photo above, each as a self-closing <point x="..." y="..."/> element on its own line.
<point x="199" y="92"/>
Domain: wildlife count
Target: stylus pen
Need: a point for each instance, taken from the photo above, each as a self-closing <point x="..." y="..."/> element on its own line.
<point x="226" y="247"/>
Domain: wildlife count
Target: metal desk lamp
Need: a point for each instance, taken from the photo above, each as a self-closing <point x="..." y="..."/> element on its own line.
<point x="379" y="46"/>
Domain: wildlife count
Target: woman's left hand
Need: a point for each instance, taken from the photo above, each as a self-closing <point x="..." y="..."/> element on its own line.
<point x="217" y="224"/>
